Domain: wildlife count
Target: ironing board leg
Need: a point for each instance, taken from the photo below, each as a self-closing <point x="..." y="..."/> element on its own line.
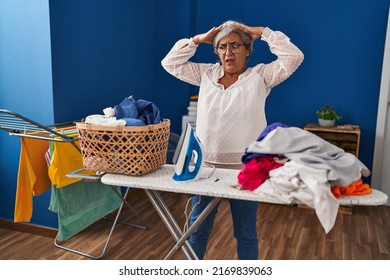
<point x="194" y="226"/>
<point x="144" y="224"/>
<point x="168" y="219"/>
<point x="115" y="222"/>
<point x="170" y="222"/>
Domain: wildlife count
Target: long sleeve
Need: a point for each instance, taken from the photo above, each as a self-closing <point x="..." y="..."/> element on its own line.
<point x="177" y="63"/>
<point x="289" y="57"/>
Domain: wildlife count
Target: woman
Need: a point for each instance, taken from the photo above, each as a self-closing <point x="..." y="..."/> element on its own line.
<point x="231" y="110"/>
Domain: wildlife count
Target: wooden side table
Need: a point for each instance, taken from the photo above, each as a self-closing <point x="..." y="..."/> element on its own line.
<point x="347" y="137"/>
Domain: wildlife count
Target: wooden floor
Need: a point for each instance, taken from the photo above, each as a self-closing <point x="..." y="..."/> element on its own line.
<point x="285" y="233"/>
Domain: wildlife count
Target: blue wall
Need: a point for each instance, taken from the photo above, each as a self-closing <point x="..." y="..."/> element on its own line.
<point x="104" y="51"/>
<point x="25" y="86"/>
<point x="343" y="43"/>
<point x="70" y="58"/>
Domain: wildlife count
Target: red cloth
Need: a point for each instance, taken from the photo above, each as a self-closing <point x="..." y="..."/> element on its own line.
<point x="256" y="171"/>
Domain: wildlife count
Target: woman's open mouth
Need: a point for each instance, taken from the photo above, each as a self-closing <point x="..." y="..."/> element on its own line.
<point x="229" y="61"/>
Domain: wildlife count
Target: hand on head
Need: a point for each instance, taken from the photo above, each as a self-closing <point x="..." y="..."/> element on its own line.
<point x="253" y="32"/>
<point x="207" y="37"/>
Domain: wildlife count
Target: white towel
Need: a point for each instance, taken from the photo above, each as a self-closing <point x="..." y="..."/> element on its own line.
<point x="297" y="183"/>
<point x="104" y="120"/>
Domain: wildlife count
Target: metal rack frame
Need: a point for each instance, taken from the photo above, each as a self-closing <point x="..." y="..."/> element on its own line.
<point x="21" y="126"/>
<point x="18" y="125"/>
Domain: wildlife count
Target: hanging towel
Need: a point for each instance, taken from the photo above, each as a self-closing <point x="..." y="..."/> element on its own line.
<point x="64" y="160"/>
<point x="80" y="204"/>
<point x="32" y="179"/>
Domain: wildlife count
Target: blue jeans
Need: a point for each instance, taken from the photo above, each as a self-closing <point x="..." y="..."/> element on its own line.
<point x="244" y="214"/>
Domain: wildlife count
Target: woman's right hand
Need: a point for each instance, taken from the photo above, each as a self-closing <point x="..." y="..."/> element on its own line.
<point x="208" y="37"/>
<point x="254" y="32"/>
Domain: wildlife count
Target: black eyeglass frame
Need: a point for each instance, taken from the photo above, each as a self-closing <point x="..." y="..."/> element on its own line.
<point x="233" y="47"/>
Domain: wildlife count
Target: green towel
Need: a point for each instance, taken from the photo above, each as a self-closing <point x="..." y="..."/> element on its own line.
<point x="81" y="204"/>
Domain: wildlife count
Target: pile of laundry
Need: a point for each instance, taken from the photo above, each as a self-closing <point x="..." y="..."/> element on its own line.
<point x="296" y="166"/>
<point x="129" y="112"/>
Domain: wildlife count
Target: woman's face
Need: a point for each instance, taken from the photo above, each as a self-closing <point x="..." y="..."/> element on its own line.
<point x="233" y="60"/>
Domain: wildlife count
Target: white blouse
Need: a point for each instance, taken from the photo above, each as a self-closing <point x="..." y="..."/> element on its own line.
<point x="228" y="120"/>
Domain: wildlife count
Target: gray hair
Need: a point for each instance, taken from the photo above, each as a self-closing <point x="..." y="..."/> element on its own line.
<point x="229" y="29"/>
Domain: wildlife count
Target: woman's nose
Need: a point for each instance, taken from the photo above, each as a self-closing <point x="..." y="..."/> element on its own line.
<point x="228" y="50"/>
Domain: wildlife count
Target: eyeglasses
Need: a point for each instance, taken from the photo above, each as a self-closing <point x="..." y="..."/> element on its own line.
<point x="233" y="47"/>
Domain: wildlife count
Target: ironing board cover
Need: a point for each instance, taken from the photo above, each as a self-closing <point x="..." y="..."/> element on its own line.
<point x="218" y="185"/>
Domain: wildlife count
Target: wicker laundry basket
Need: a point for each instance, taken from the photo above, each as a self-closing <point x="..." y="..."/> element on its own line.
<point x="132" y="150"/>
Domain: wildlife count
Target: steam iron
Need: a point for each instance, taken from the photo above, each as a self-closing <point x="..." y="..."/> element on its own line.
<point x="188" y="156"/>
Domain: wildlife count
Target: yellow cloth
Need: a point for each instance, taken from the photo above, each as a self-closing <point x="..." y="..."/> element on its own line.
<point x="32" y="177"/>
<point x="64" y="159"/>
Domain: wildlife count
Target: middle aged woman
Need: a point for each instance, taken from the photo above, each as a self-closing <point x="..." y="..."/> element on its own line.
<point x="231" y="111"/>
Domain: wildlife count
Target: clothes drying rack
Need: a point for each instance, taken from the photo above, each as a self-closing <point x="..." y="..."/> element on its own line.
<point x="18" y="125"/>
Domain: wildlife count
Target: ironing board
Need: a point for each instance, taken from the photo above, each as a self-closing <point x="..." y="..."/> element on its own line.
<point x="217" y="186"/>
<point x="18" y="125"/>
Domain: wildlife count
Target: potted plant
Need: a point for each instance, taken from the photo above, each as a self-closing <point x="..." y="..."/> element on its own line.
<point x="327" y="115"/>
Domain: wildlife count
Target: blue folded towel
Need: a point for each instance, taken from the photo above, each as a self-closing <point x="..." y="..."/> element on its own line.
<point x="148" y="111"/>
<point x="133" y="122"/>
<point x="126" y="109"/>
<point x="137" y="112"/>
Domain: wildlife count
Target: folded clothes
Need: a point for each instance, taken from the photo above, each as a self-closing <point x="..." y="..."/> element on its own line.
<point x="256" y="171"/>
<point x="109" y="112"/>
<point x="135" y="112"/>
<point x="126" y="109"/>
<point x="356" y="188"/>
<point x="148" y="111"/>
<point x="249" y="156"/>
<point x="129" y="112"/>
<point x="103" y="120"/>
<point x="133" y="122"/>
